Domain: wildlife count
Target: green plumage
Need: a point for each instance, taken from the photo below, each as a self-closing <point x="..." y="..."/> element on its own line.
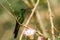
<point x="20" y="17"/>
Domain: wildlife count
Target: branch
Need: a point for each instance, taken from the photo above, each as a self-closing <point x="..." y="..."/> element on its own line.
<point x="40" y="21"/>
<point x="9" y="5"/>
<point x="33" y="10"/>
<point x="8" y="11"/>
<point x="51" y="20"/>
<point x="41" y="24"/>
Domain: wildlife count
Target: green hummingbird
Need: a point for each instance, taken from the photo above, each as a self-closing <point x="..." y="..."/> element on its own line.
<point x="20" y="16"/>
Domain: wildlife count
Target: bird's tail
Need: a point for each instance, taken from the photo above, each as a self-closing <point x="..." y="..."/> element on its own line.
<point x="16" y="29"/>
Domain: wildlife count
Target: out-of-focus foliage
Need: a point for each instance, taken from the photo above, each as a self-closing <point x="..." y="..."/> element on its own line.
<point x="15" y="4"/>
<point x="0" y="11"/>
<point x="57" y="22"/>
<point x="43" y="4"/>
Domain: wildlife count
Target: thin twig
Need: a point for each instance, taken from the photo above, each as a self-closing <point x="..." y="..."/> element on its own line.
<point x="9" y="5"/>
<point x="51" y="20"/>
<point x="33" y="10"/>
<point x="8" y="11"/>
<point x="40" y="21"/>
<point x="41" y="24"/>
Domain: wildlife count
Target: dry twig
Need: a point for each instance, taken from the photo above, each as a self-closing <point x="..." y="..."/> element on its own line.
<point x="33" y="10"/>
<point x="40" y="21"/>
<point x="51" y="20"/>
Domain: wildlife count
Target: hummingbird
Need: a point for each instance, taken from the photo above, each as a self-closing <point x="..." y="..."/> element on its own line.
<point x="20" y="17"/>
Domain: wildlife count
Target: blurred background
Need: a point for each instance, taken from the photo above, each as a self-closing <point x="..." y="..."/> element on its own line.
<point x="8" y="22"/>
